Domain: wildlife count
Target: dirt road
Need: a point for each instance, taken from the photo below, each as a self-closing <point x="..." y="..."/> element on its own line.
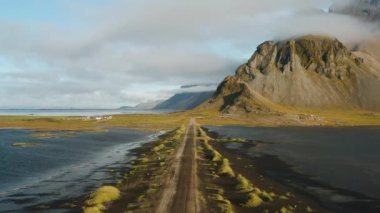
<point x="180" y="193"/>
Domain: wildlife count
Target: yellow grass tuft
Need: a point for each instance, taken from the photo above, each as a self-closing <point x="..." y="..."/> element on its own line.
<point x="243" y="184"/>
<point x="144" y="160"/>
<point x="216" y="156"/>
<point x="226" y="169"/>
<point x="100" y="197"/>
<point x="158" y="148"/>
<point x="93" y="209"/>
<point x="253" y="200"/>
<point x="224" y="205"/>
<point x="287" y="209"/>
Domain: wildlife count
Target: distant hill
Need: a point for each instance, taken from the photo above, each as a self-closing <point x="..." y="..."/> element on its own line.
<point x="143" y="106"/>
<point x="307" y="72"/>
<point x="148" y="105"/>
<point x="126" y="107"/>
<point x="185" y="101"/>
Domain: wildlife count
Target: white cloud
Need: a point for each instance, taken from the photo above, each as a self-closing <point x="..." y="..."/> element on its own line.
<point x="132" y="51"/>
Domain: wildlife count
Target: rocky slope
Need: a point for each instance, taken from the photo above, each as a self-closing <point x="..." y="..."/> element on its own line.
<point x="234" y="95"/>
<point x="307" y="72"/>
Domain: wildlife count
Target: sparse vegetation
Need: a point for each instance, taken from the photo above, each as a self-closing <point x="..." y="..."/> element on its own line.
<point x="246" y="194"/>
<point x="328" y="117"/>
<point x="149" y="170"/>
<point x="243" y="184"/>
<point x="309" y="209"/>
<point x="224" y="205"/>
<point x="210" y="151"/>
<point x="287" y="209"/>
<point x="143" y="160"/>
<point x="76" y="123"/>
<point x="44" y="135"/>
<point x="225" y="168"/>
<point x="98" y="200"/>
<point x="158" y="148"/>
<point x="253" y="200"/>
<point x="267" y="196"/>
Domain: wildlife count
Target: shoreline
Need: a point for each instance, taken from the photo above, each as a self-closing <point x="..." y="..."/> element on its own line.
<point x="75" y="204"/>
<point x="81" y="177"/>
<point x="142" y="183"/>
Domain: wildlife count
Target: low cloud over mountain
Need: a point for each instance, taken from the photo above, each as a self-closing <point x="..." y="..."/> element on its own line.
<point x="125" y="52"/>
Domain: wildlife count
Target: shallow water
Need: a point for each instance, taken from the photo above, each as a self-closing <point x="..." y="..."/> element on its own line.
<point x="346" y="158"/>
<point x="62" y="167"/>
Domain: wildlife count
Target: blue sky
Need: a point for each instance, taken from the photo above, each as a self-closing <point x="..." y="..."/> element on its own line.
<point x="109" y="53"/>
<point x="53" y="11"/>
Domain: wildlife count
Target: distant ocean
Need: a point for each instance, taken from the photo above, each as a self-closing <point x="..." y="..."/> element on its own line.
<point x="77" y="112"/>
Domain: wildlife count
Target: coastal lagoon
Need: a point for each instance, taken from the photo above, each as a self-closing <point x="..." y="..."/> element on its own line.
<point x="62" y="166"/>
<point x="337" y="165"/>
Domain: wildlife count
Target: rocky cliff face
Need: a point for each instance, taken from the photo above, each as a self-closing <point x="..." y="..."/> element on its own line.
<point x="311" y="72"/>
<point x="321" y="55"/>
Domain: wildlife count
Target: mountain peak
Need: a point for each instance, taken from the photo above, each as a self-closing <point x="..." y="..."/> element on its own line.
<point x="323" y="55"/>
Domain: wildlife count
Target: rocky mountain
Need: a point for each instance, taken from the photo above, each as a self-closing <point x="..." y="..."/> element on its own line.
<point x="184" y="101"/>
<point x="306" y="72"/>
